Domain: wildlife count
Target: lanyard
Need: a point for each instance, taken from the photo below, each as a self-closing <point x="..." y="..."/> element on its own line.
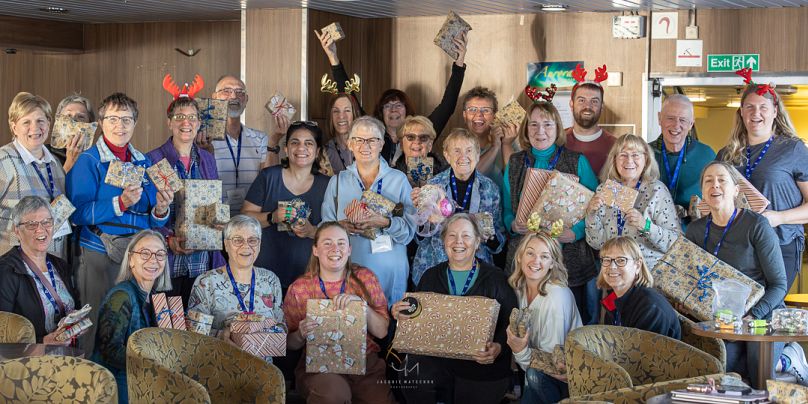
<point x="673" y="180"/>
<point x="49" y="186"/>
<point x="339" y="154"/>
<point x="551" y="165"/>
<point x="190" y="174"/>
<point x="378" y="186"/>
<point x="322" y="287"/>
<point x="469" y="277"/>
<point x="466" y="198"/>
<point x="238" y="293"/>
<point x="236" y="157"/>
<point x="48" y="295"/>
<point x="724" y="234"/>
<point x="621" y="220"/>
<point x="751" y="167"/>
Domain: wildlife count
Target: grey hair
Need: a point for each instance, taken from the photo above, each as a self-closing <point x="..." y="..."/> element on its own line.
<point x="27" y="205"/>
<point x="77" y="99"/>
<point x="368" y="122"/>
<point x="678" y="98"/>
<point x="462" y="216"/>
<point x="241" y="222"/>
<point x="229" y="76"/>
<point x="163" y="283"/>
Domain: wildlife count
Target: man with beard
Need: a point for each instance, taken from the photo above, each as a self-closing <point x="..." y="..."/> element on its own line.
<point x="680" y="156"/>
<point x="585" y="136"/>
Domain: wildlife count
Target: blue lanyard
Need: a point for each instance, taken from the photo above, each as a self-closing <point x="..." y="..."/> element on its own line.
<point x="751" y="167"/>
<point x="726" y="229"/>
<point x="238" y="293"/>
<point x="322" y="287"/>
<point x="673" y="180"/>
<point x="621" y="221"/>
<point x="49" y="186"/>
<point x="48" y="295"/>
<point x="454" y="192"/>
<point x="378" y="186"/>
<point x="185" y="175"/>
<point x="551" y="165"/>
<point x="469" y="277"/>
<point x="236" y="157"/>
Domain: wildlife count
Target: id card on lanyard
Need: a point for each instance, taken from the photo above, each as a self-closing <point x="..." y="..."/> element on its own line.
<point x="383" y="242"/>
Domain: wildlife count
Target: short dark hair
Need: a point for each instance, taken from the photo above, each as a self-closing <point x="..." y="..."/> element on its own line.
<point x="393" y="94"/>
<point x="120" y="101"/>
<point x="316" y="133"/>
<point x="587" y="85"/>
<point x="179" y="103"/>
<point x="481" y="92"/>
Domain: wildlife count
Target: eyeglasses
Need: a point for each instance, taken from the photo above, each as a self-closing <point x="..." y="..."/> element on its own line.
<point x="419" y="138"/>
<point x="621" y="262"/>
<point x="483" y="110"/>
<point x="239" y="241"/>
<point x="393" y="105"/>
<point x="146" y="254"/>
<point x="32" y="225"/>
<point x="675" y="119"/>
<point x="182" y="117"/>
<point x="114" y="120"/>
<point x="549" y="125"/>
<point x="373" y="141"/>
<point x="238" y="92"/>
<point x="632" y="156"/>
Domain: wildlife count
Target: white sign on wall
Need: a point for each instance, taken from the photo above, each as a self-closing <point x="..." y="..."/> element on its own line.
<point x="665" y="26"/>
<point x="689" y="53"/>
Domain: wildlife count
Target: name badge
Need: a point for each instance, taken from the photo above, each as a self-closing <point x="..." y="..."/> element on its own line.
<point x="382" y="243"/>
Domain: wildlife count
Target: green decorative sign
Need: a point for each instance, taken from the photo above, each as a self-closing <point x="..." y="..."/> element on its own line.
<point x="542" y="74"/>
<point x="733" y="62"/>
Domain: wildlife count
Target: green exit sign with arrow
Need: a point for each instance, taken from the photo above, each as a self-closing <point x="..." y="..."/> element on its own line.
<point x="733" y="62"/>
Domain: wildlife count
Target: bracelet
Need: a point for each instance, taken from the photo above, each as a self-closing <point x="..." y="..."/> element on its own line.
<point x="647" y="227"/>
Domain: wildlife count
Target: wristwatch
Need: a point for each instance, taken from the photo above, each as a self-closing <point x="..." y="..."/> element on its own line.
<point x="275" y="149"/>
<point x="269" y="218"/>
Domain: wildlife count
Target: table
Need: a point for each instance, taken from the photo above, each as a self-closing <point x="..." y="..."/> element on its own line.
<point x="16" y="351"/>
<point x="765" y="340"/>
<point x="799" y="300"/>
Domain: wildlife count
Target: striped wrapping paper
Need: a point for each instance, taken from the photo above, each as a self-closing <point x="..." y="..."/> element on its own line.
<point x="252" y="325"/>
<point x="535" y="181"/>
<point x="64" y="333"/>
<point x="177" y="313"/>
<point x="748" y="198"/>
<point x="262" y="344"/>
<point x="563" y="199"/>
<point x="161" y="310"/>
<point x="617" y="195"/>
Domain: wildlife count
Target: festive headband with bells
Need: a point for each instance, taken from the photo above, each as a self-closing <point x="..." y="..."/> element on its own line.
<point x="579" y="74"/>
<point x="535" y="94"/>
<point x="761" y="89"/>
<point x="329" y="86"/>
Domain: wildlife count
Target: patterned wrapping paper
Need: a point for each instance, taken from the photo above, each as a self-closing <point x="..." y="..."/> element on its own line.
<point x="786" y="393"/>
<point x="452" y="27"/>
<point x="65" y="128"/>
<point x="563" y="199"/>
<point x="217" y="213"/>
<point x="66" y="332"/>
<point x="518" y="321"/>
<point x="420" y="170"/>
<point x="177" y="313"/>
<point x="685" y="275"/>
<point x="193" y="222"/>
<point x="486" y="223"/>
<point x="378" y="203"/>
<point x="335" y="30"/>
<point x="339" y="342"/>
<point x="161" y="311"/>
<point x="199" y="323"/>
<point x="535" y="181"/>
<point x="448" y="326"/>
<point x="262" y="344"/>
<point x="164" y="177"/>
<point x="513" y="113"/>
<point x="122" y="174"/>
<point x="325" y="165"/>
<point x="748" y="198"/>
<point x="249" y="323"/>
<point x="357" y="212"/>
<point x="62" y="209"/>
<point x="213" y="118"/>
<point x="279" y="105"/>
<point x="302" y="209"/>
<point x="618" y="195"/>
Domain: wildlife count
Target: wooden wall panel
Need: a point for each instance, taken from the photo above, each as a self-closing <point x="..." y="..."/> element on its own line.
<point x="31" y="33"/>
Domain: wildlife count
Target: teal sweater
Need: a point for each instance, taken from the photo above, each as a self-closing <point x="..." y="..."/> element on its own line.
<point x="688" y="184"/>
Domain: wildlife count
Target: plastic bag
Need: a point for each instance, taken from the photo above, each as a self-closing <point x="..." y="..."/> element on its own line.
<point x="432" y="209"/>
<point x="728" y="304"/>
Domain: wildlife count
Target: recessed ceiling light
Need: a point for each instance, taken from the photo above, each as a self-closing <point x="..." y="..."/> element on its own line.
<point x="553" y="7"/>
<point x="54" y="10"/>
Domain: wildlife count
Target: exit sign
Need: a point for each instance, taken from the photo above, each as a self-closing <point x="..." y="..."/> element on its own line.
<point x="733" y="62"/>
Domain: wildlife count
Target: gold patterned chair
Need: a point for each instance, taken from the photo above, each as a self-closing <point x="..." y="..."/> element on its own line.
<point x="169" y="366"/>
<point x="626" y="365"/>
<point x="786" y="393"/>
<point x="712" y="346"/>
<point x="15" y="328"/>
<point x="56" y="380"/>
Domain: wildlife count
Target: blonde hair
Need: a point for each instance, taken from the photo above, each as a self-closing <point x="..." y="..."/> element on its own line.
<point x="417" y="120"/>
<point x="626" y="245"/>
<point x="25" y="103"/>
<point x="549" y="111"/>
<point x="557" y="274"/>
<point x="461" y="134"/>
<point x="738" y="140"/>
<point x="649" y="173"/>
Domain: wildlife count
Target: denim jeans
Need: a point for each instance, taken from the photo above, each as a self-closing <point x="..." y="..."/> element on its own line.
<point x="541" y="388"/>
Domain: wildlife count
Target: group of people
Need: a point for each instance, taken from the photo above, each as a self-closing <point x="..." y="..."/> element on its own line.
<point x="124" y="247"/>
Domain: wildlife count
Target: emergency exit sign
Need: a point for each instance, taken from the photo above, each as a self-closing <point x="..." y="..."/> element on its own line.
<point x="733" y="62"/>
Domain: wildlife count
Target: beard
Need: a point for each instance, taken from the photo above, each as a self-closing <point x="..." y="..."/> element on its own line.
<point x="235" y="108"/>
<point x="586" y="123"/>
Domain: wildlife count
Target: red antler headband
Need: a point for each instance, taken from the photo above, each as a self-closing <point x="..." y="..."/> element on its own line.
<point x="762" y="89"/>
<point x="579" y="74"/>
<point x="187" y="91"/>
<point x="537" y="95"/>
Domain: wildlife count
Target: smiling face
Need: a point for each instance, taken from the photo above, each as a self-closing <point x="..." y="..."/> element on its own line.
<point x="536" y="261"/>
<point x="758" y="115"/>
<point x="462" y="156"/>
<point x="460" y="242"/>
<point x="77" y="112"/>
<point x="342" y="115"/>
<point x="118" y="133"/>
<point x="630" y="164"/>
<point x="479" y="122"/>
<point x="718" y="188"/>
<point x="232" y="90"/>
<point x="32" y="130"/>
<point x="147" y="271"/>
<point x="416" y="141"/>
<point x="541" y="130"/>
<point x="39" y="239"/>
<point x="244" y="255"/>
<point x="394" y="113"/>
<point x="364" y="149"/>
<point x="332" y="249"/>
<point x="586" y="107"/>
<point x="184" y="130"/>
<point x="301" y="148"/>
<point x="620" y="279"/>
<point x="676" y="120"/>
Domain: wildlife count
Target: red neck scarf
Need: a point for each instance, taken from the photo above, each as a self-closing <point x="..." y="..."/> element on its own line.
<point x="121" y="152"/>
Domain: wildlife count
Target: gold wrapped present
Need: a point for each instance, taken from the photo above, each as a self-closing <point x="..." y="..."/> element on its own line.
<point x="302" y="211"/>
<point x="486" y="223"/>
<point x="617" y="195"/>
<point x="279" y="105"/>
<point x="447" y="326"/>
<point x="748" y="198"/>
<point x="563" y="199"/>
<point x="194" y="203"/>
<point x="199" y="323"/>
<point x="164" y="177"/>
<point x="212" y="118"/>
<point x="452" y="27"/>
<point x="261" y="344"/>
<point x="532" y="187"/>
<point x="335" y="30"/>
<point x="551" y="363"/>
<point x="420" y="170"/>
<point x="122" y="174"/>
<point x="685" y="275"/>
<point x="377" y="203"/>
<point x="62" y="209"/>
<point x="65" y="129"/>
<point x="513" y="113"/>
<point x="339" y="342"/>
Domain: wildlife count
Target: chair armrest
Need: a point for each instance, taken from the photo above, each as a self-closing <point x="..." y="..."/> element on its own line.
<point x="589" y="374"/>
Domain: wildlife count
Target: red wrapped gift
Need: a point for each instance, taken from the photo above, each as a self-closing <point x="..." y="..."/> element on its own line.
<point x="169" y="311"/>
<point x="177" y="313"/>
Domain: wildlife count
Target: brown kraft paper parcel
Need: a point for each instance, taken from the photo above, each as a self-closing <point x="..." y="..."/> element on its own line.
<point x="456" y="327"/>
<point x="339" y="342"/>
<point x="535" y="181"/>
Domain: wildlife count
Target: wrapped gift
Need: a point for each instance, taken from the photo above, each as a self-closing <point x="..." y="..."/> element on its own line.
<point x="217" y="214"/>
<point x="377" y="203"/>
<point x="518" y="321"/>
<point x="617" y="195"/>
<point x="67" y="332"/>
<point x="420" y="170"/>
<point x="62" y="209"/>
<point x="262" y="344"/>
<point x="279" y="105"/>
<point x="447" y="326"/>
<point x="532" y="187"/>
<point x="786" y="393"/>
<point x="177" y="313"/>
<point x="122" y="175"/>
<point x="748" y="198"/>
<point x="212" y="118"/>
<point x="486" y="223"/>
<point x="325" y="165"/>
<point x="513" y="113"/>
<point x="452" y="27"/>
<point x="199" y="323"/>
<point x="161" y="310"/>
<point x="357" y="212"/>
<point x="301" y="209"/>
<point x="335" y="30"/>
<point x="685" y="275"/>
<point x="193" y="203"/>
<point x="563" y="199"/>
<point x="249" y="323"/>
<point x="65" y="129"/>
<point x="339" y="342"/>
<point x="164" y="177"/>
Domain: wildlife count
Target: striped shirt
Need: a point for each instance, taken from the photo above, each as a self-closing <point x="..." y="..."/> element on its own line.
<point x="253" y="154"/>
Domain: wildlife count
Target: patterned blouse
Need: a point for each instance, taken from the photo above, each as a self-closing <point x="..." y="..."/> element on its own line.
<point x="308" y="287"/>
<point x="61" y="289"/>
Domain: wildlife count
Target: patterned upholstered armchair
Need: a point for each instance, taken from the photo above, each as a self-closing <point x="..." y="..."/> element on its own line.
<point x="15" y="328"/>
<point x="624" y="365"/>
<point x="712" y="346"/>
<point x="167" y="365"/>
<point x="786" y="393"/>
<point x="56" y="379"/>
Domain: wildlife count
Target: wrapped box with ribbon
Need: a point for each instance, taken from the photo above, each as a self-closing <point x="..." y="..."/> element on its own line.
<point x="74" y="324"/>
<point x="295" y="211"/>
<point x="748" y="197"/>
<point x="259" y="335"/>
<point x="617" y="195"/>
<point x="563" y="199"/>
<point x="452" y="27"/>
<point x="278" y="104"/>
<point x="193" y="214"/>
<point x="199" y="323"/>
<point x="357" y="212"/>
<point x="535" y="181"/>
<point x="168" y="311"/>
<point x="164" y="177"/>
<point x="122" y="175"/>
<point x="212" y="118"/>
<point x="62" y="209"/>
<point x="513" y="113"/>
<point x="685" y="275"/>
<point x="177" y="313"/>
<point x="65" y="129"/>
<point x="420" y="170"/>
<point x="378" y="203"/>
<point x="339" y="342"/>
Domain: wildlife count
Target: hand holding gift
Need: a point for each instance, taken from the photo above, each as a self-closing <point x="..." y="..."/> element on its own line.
<point x="453" y="27"/>
<point x="164" y="177"/>
<point x="432" y="208"/>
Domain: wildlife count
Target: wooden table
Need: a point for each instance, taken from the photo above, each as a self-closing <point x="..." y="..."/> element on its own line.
<point x="799" y="300"/>
<point x="765" y="340"/>
<point x="16" y="351"/>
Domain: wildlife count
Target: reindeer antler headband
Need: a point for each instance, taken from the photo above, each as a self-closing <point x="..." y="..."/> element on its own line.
<point x="537" y="95"/>
<point x="579" y="74"/>
<point x="187" y="91"/>
<point x="762" y="89"/>
<point x="329" y="86"/>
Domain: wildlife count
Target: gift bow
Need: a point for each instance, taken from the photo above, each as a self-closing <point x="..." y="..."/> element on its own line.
<point x="704" y="282"/>
<point x="205" y="115"/>
<point x="164" y="311"/>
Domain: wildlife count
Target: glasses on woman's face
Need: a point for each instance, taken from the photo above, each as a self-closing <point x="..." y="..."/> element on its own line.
<point x="238" y="242"/>
<point x="146" y="254"/>
<point x="182" y="117"/>
<point x="32" y="225"/>
<point x="420" y="138"/>
<point x="546" y="125"/>
<point x="114" y="120"/>
<point x="621" y="262"/>
<point x="483" y="110"/>
<point x="393" y="105"/>
<point x="373" y="141"/>
<point x="634" y="156"/>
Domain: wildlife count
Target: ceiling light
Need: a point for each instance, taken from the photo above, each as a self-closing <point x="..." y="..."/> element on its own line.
<point x="553" y="7"/>
<point x="734" y="104"/>
<point x="54" y="10"/>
